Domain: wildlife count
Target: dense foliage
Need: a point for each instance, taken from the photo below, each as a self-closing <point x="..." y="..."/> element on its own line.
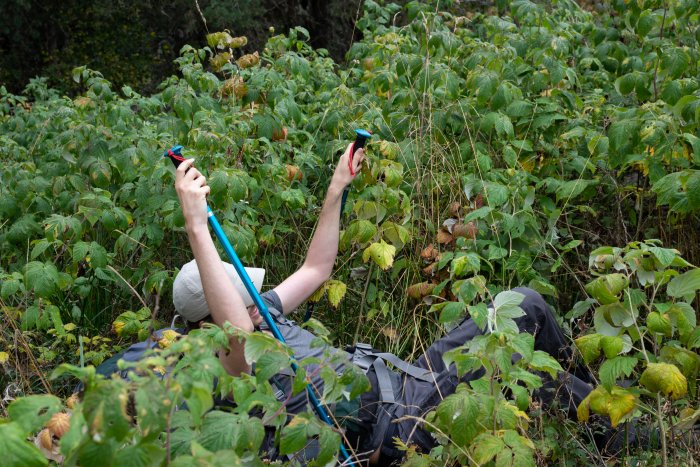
<point x="508" y="149"/>
<point x="135" y="43"/>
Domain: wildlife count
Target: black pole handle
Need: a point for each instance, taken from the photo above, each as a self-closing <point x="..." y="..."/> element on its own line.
<point x="174" y="154"/>
<point x="361" y="137"/>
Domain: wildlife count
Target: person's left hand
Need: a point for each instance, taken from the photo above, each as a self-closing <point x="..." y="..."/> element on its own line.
<point x="342" y="175"/>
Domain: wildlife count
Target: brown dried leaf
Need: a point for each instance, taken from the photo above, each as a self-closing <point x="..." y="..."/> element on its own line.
<point x="454" y="209"/>
<point x="478" y="201"/>
<point x="443" y="237"/>
<point x="468" y="230"/>
<point x="280" y="134"/>
<point x="248" y="60"/>
<point x="390" y="332"/>
<point x="58" y="424"/>
<point x="420" y="290"/>
<point x="234" y="86"/>
<point x="429" y="253"/>
<point x="44" y="438"/>
<point x="293" y="173"/>
<point x="72" y="401"/>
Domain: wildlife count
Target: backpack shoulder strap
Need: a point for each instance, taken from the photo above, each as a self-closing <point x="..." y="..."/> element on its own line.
<point x="365" y="357"/>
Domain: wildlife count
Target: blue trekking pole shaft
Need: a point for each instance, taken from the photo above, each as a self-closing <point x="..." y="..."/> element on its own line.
<point x="177" y="159"/>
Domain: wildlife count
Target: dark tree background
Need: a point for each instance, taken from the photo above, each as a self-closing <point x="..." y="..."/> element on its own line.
<point x="135" y="42"/>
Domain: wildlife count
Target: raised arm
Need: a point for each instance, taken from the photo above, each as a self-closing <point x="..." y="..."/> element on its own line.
<point x="224" y="301"/>
<point x="320" y="258"/>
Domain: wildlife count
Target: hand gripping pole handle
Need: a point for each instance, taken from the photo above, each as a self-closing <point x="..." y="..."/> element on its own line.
<point x="361" y="137"/>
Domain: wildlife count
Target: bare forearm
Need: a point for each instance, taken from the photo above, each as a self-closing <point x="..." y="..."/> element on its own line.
<point x="223" y="300"/>
<point x="324" y="244"/>
<point x="320" y="257"/>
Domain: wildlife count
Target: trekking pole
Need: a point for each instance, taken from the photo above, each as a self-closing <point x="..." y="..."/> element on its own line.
<point x="361" y="137"/>
<point x="177" y="159"/>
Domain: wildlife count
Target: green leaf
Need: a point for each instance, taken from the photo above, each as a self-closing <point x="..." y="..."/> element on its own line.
<point x="503" y="126"/>
<point x="294" y="198"/>
<point x="31" y="412"/>
<point x="464" y="264"/>
<point x="682" y="315"/>
<point x="360" y="231"/>
<point x="611" y="345"/>
<point x="295" y="434"/>
<point x="258" y="344"/>
<point x="674" y="61"/>
<point x="542" y="361"/>
<point x="611" y="370"/>
<point x="199" y="400"/>
<point x="223" y="430"/>
<point x="11" y="285"/>
<point x="329" y="443"/>
<point x="151" y="409"/>
<point x="479" y="313"/>
<point x="369" y="210"/>
<point x="660" y="323"/>
<point x="478" y="214"/>
<point x="269" y="364"/>
<point x="519" y="108"/>
<point x="143" y="454"/>
<point x="685" y="286"/>
<point x="589" y="346"/>
<point x="664" y="378"/>
<point x="572" y="188"/>
<point x="664" y="256"/>
<point x="16" y="450"/>
<point x="381" y="253"/>
<point x="396" y="234"/>
<point x="486" y="447"/>
<point x="457" y="414"/>
<point x="508" y="299"/>
<point x="524" y="344"/>
<point x="452" y="311"/>
<point x="645" y="23"/>
<point x="42" y="277"/>
<point x="606" y="288"/>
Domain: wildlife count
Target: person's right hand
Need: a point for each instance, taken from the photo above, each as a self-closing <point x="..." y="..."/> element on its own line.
<point x="342" y="176"/>
<point x="192" y="190"/>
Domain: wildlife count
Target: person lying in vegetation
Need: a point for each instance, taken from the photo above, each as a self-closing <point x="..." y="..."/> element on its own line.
<point x="207" y="288"/>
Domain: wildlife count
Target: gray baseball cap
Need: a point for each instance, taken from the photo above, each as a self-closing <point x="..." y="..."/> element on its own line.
<point x="188" y="293"/>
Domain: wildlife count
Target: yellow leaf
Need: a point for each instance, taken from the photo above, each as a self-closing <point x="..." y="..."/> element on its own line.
<point x="621" y="403"/>
<point x="4" y="357"/>
<point x="118" y="326"/>
<point x="388" y="149"/>
<point x="665" y="378"/>
<point x="616" y="404"/>
<point x="336" y="292"/>
<point x="318" y="295"/>
<point x="169" y="336"/>
<point x="381" y="253"/>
